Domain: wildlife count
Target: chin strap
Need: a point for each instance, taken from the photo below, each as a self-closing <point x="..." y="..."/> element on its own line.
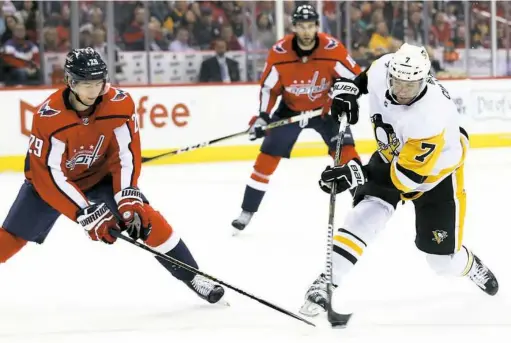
<point x="104" y="90"/>
<point x="77" y="97"/>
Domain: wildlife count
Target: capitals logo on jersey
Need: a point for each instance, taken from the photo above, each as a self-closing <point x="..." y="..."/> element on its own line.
<point x="87" y="155"/>
<point x="46" y="111"/>
<point x="120" y="95"/>
<point x="312" y="89"/>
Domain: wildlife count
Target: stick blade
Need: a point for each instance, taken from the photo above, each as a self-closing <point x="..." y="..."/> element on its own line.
<point x="338" y="320"/>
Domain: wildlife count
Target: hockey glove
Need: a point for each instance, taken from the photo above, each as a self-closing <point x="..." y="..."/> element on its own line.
<point x="97" y="220"/>
<point x="256" y="126"/>
<point x="134" y="217"/>
<point x="345" y="95"/>
<point x="346" y="177"/>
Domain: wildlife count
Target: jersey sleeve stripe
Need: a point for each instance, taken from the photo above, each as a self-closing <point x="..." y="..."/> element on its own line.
<point x="344" y="71"/>
<point x="417" y="178"/>
<point x="56" y="152"/>
<point x="123" y="137"/>
<point x="400" y="180"/>
<point x="268" y="84"/>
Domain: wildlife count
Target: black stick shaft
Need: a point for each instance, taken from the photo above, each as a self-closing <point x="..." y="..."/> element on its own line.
<point x="119" y="235"/>
<point x="304" y="116"/>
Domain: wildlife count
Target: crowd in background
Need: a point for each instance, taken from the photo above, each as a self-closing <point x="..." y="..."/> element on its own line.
<point x="377" y="27"/>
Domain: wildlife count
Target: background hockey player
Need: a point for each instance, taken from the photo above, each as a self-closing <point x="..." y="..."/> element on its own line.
<point x="83" y="161"/>
<point x="420" y="158"/>
<point x="300" y="68"/>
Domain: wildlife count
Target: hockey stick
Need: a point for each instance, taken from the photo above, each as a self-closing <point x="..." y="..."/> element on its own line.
<point x="335" y="319"/>
<point x="117" y="234"/>
<point x="304" y="116"/>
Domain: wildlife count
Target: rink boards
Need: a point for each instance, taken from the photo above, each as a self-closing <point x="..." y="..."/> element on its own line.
<point x="175" y="116"/>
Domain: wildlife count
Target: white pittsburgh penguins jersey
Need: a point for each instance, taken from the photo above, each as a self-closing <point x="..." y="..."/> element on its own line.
<point x="422" y="141"/>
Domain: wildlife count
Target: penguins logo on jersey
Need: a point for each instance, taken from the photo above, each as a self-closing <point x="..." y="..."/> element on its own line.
<point x="439" y="236"/>
<point x="385" y="137"/>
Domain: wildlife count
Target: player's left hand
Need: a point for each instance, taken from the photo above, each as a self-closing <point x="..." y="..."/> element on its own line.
<point x="346" y="177"/>
<point x="256" y="126"/>
<point x="345" y="95"/>
<point x="135" y="218"/>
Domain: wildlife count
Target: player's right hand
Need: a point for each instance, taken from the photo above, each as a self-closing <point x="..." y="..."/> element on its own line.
<point x="346" y="177"/>
<point x="345" y="95"/>
<point x="256" y="126"/>
<point x="97" y="220"/>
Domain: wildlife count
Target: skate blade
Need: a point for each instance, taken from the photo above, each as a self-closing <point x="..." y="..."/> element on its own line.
<point x="311" y="309"/>
<point x="223" y="303"/>
<point x="236" y="232"/>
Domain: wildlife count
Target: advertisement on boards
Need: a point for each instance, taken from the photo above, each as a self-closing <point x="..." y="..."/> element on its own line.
<point x="173" y="117"/>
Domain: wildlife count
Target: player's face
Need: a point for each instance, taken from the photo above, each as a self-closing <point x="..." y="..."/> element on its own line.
<point x="405" y="91"/>
<point x="88" y="91"/>
<point x="306" y="32"/>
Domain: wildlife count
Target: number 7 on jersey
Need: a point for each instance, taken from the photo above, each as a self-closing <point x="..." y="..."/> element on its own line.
<point x="429" y="148"/>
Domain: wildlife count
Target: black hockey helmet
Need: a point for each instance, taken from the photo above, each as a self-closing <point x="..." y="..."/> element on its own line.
<point x="305" y="13"/>
<point x="84" y="65"/>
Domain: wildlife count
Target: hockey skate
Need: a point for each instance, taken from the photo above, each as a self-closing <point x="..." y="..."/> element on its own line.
<point x="483" y="277"/>
<point x="316" y="302"/>
<point x="206" y="289"/>
<point x="241" y="222"/>
<point x="316" y="298"/>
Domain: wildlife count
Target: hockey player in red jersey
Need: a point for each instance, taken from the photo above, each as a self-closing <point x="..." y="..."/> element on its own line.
<point x="300" y="68"/>
<point x="83" y="161"/>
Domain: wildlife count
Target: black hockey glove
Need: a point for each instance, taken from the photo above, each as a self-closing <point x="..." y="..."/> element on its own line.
<point x="345" y="95"/>
<point x="256" y="126"/>
<point x="346" y="177"/>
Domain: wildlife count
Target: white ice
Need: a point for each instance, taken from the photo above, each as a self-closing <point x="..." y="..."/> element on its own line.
<point x="71" y="289"/>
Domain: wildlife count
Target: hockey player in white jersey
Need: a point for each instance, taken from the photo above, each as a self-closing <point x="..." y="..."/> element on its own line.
<point x="420" y="158"/>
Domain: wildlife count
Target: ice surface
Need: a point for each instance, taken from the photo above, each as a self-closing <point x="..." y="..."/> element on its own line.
<point x="71" y="289"/>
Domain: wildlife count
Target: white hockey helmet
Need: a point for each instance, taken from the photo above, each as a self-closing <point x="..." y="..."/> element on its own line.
<point x="407" y="72"/>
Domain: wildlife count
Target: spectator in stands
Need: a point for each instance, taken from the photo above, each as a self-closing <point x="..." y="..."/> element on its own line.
<point x="224" y="12"/>
<point x="52" y="42"/>
<point x="228" y="36"/>
<point x="22" y="58"/>
<point x="205" y="30"/>
<point x="85" y="38"/>
<point x="157" y="41"/>
<point x="219" y="68"/>
<point x="10" y="23"/>
<point x="95" y="20"/>
<point x="176" y="16"/>
<point x="189" y="23"/>
<point x="415" y="24"/>
<point x="265" y="35"/>
<point x="441" y="29"/>
<point x="63" y="24"/>
<point x="358" y="27"/>
<point x="180" y="44"/>
<point x="29" y="16"/>
<point x="8" y="8"/>
<point x="237" y="21"/>
<point x="133" y="37"/>
<point x="380" y="42"/>
<point x="99" y="42"/>
<point x="502" y="41"/>
<point x="288" y="12"/>
<point x="459" y="38"/>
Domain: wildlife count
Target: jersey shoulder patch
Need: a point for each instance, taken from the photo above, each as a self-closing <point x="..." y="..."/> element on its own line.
<point x="282" y="51"/>
<point x="117" y="101"/>
<point x="45" y="110"/>
<point x="119" y="95"/>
